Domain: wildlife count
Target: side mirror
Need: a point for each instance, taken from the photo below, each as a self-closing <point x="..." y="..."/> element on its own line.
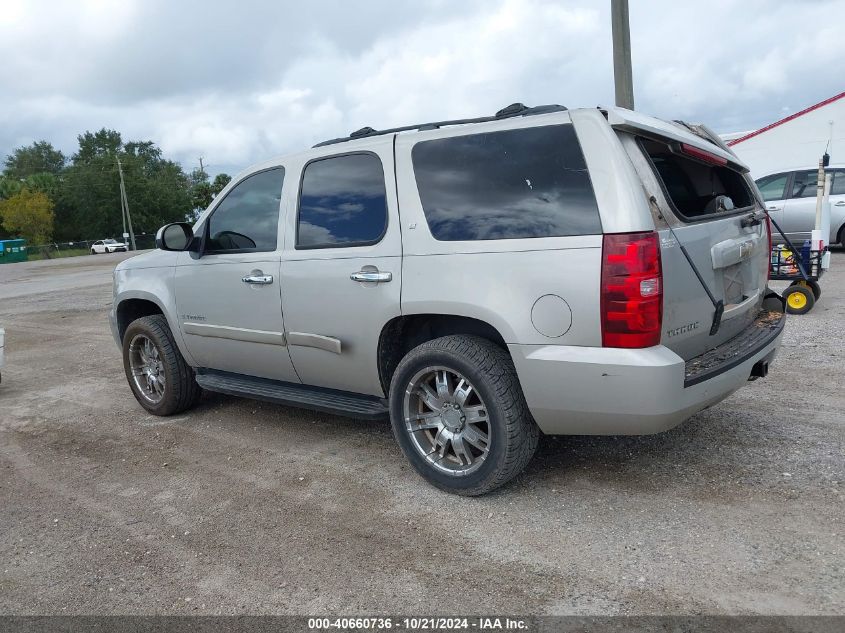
<point x="174" y="237"/>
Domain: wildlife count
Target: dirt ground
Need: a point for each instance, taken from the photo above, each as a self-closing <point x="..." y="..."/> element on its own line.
<point x="246" y="507"/>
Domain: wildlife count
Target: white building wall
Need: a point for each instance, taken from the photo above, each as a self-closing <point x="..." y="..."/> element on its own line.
<point x="798" y="143"/>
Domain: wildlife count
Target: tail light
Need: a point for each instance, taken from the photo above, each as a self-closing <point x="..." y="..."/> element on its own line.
<point x="631" y="290"/>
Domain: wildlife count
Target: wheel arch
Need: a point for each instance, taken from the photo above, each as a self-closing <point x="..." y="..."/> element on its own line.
<point x="132" y="308"/>
<point x="403" y="333"/>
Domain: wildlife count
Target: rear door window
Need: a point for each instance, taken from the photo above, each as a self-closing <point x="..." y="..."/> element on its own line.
<point x="525" y="183"/>
<point x="697" y="188"/>
<point x="342" y="203"/>
<point x="804" y="184"/>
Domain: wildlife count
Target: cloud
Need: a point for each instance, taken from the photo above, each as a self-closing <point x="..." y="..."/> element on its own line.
<point x="237" y="86"/>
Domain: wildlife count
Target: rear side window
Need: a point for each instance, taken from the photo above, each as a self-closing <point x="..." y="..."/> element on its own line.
<point x="531" y="182"/>
<point x="342" y="202"/>
<point x="248" y="217"/>
<point x="697" y="188"/>
<point x="771" y="187"/>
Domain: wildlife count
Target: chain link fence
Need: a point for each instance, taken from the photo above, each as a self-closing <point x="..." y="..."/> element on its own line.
<point x="54" y="250"/>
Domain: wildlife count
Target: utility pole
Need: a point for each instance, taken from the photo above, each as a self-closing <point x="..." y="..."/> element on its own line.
<point x="622" y="75"/>
<point x="202" y="169"/>
<point x="125" y="204"/>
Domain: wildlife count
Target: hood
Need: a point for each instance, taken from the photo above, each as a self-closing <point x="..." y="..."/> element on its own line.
<point x="152" y="259"/>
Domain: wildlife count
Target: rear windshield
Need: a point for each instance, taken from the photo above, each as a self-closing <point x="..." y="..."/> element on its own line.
<point x="695" y="188"/>
<point x="523" y="183"/>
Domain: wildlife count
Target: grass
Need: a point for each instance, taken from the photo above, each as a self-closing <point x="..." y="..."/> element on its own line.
<point x="68" y="252"/>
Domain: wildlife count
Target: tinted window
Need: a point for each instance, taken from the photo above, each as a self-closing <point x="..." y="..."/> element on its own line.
<point x="697" y="188"/>
<point x="531" y="182"/>
<point x="771" y="187"/>
<point x="248" y="217"/>
<point x="343" y="202"/>
<point x="804" y="184"/>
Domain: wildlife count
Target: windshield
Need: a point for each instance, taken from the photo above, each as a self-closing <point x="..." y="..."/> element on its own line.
<point x="697" y="188"/>
<point x="109" y="241"/>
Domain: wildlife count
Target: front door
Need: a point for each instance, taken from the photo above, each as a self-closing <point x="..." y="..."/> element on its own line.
<point x="342" y="265"/>
<point x="227" y="295"/>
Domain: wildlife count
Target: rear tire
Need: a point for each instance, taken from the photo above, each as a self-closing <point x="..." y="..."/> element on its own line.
<point x="799" y="299"/>
<point x="478" y="432"/>
<point x="162" y="382"/>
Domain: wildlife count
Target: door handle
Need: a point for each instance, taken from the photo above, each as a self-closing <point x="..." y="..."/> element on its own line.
<point x="371" y="276"/>
<point x="772" y="208"/>
<point x="257" y="279"/>
<point x="841" y="203"/>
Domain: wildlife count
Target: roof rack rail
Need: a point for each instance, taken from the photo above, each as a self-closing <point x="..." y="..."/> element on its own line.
<point x="513" y="110"/>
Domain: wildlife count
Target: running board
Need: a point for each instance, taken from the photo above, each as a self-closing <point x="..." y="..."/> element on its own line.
<point x="293" y="395"/>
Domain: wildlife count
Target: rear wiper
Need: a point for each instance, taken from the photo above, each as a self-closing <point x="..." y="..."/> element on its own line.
<point x="718" y="304"/>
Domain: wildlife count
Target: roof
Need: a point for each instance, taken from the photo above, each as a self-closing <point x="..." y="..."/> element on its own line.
<point x="513" y="110"/>
<point x="791" y="117"/>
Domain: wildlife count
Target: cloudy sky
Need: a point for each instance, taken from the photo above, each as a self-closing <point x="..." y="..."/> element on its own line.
<point x="238" y="82"/>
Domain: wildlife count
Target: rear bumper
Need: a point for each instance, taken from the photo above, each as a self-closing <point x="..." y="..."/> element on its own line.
<point x="608" y="391"/>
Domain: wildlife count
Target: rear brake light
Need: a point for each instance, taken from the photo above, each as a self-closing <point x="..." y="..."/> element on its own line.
<point x="704" y="155"/>
<point x="631" y="290"/>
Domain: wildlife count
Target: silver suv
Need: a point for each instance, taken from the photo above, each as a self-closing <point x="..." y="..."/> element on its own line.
<point x="476" y="281"/>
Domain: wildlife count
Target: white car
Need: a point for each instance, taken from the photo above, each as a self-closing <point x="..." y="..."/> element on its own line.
<point x="107" y="246"/>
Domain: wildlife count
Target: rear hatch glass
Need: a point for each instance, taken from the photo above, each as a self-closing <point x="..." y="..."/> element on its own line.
<point x="695" y="187"/>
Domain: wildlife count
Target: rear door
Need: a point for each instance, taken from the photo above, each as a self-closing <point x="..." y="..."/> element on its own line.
<point x="701" y="197"/>
<point x="342" y="264"/>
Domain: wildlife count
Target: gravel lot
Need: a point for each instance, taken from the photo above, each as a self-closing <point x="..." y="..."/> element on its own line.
<point x="245" y="507"/>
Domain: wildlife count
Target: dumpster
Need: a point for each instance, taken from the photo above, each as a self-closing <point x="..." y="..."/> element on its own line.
<point x="12" y="251"/>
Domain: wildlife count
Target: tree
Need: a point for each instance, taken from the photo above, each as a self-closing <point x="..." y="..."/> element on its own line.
<point x="9" y="187"/>
<point x="88" y="207"/>
<point x="220" y="181"/>
<point x="92" y="145"/>
<point x="39" y="158"/>
<point x="203" y="191"/>
<point x="28" y="214"/>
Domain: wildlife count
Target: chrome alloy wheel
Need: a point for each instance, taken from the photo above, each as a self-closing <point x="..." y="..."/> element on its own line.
<point x="447" y="420"/>
<point x="147" y="368"/>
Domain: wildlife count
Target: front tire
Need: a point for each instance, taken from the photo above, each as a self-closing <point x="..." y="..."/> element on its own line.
<point x="162" y="382"/>
<point x="459" y="415"/>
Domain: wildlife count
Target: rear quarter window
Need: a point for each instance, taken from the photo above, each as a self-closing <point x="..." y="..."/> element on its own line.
<point x="524" y="183"/>
<point x="695" y="188"/>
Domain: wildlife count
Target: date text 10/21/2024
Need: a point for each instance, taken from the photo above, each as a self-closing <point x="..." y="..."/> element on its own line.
<point x="417" y="623"/>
